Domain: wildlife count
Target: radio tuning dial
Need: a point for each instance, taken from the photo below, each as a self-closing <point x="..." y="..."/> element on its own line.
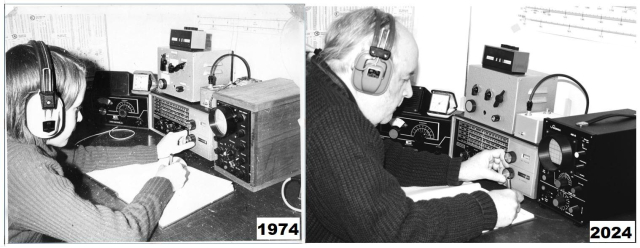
<point x="510" y="157"/>
<point x="470" y="106"/>
<point x="394" y="132"/>
<point x="122" y="113"/>
<point x="561" y="182"/>
<point x="162" y="84"/>
<point x="191" y="125"/>
<point x="559" y="201"/>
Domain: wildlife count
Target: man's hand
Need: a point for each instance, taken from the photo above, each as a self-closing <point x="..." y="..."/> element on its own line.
<point x="173" y="143"/>
<point x="484" y="165"/>
<point x="507" y="205"/>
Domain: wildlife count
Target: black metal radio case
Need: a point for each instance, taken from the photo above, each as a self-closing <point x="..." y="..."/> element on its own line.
<point x="588" y="172"/>
<point x="423" y="132"/>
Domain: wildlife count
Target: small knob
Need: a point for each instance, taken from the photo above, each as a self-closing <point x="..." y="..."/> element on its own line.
<point x="122" y="113"/>
<point x="162" y="83"/>
<point x="240" y="118"/>
<point x="487" y="95"/>
<point x="559" y="201"/>
<point x="241" y="133"/>
<point x="190" y="138"/>
<point x="561" y="182"/>
<point x="394" y="133"/>
<point x="470" y="106"/>
<point x="179" y="88"/>
<point x="508" y="173"/>
<point x="240" y="161"/>
<point x="168" y="126"/>
<point x="578" y="154"/>
<point x="191" y="125"/>
<point x="499" y="99"/>
<point x="495" y="118"/>
<point x="102" y="111"/>
<point x="464" y="154"/>
<point x="576" y="189"/>
<point x="510" y="157"/>
<point x="475" y="90"/>
<point x="240" y="147"/>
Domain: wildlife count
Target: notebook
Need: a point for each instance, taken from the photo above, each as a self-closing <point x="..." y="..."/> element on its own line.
<point x="434" y="192"/>
<point x="200" y="189"/>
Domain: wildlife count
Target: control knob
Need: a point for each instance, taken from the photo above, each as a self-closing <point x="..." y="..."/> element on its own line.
<point x="561" y="182"/>
<point x="559" y="201"/>
<point x="470" y="106"/>
<point x="162" y="84"/>
<point x="102" y="111"/>
<point x="510" y="157"/>
<point x="179" y="88"/>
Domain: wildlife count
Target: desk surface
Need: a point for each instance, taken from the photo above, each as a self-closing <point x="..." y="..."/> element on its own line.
<point x="232" y="218"/>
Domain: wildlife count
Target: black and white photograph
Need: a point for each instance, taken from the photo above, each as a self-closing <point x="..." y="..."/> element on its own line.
<point x="152" y="122"/>
<point x="471" y="122"/>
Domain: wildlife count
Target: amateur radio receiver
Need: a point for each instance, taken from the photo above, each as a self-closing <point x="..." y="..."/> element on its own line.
<point x="181" y="73"/>
<point x="588" y="167"/>
<point x="470" y="138"/>
<point x="111" y="102"/>
<point x="170" y="114"/>
<point x="494" y="98"/>
<point x="258" y="134"/>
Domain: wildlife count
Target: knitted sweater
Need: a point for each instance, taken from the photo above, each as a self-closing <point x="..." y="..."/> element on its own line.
<point x="354" y="178"/>
<point x="42" y="201"/>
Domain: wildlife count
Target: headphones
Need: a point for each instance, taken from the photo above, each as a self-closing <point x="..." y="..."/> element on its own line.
<point x="372" y="71"/>
<point x="45" y="114"/>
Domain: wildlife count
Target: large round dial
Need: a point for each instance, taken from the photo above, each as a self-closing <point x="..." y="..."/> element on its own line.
<point x="125" y="107"/>
<point x="224" y="121"/>
<point x="423" y="131"/>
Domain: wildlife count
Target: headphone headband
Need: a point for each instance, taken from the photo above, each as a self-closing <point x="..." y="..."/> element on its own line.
<point x="47" y="80"/>
<point x="378" y="49"/>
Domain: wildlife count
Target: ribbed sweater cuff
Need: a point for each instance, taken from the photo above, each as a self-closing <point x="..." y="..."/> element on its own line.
<point x="488" y="209"/>
<point x="159" y="187"/>
<point x="454" y="172"/>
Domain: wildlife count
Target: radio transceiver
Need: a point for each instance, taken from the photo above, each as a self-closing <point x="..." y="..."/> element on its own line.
<point x="181" y="73"/>
<point x="588" y="170"/>
<point x="470" y="137"/>
<point x="170" y="114"/>
<point x="258" y="134"/>
<point x="494" y="98"/>
<point x="423" y="132"/>
<point x="110" y="101"/>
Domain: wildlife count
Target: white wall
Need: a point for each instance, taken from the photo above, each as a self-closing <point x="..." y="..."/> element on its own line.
<point x="134" y="33"/>
<point x="609" y="72"/>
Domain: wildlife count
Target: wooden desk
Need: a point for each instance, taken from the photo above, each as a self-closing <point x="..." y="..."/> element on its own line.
<point x="232" y="218"/>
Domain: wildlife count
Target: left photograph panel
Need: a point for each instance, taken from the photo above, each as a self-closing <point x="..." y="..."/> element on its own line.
<point x="153" y="123"/>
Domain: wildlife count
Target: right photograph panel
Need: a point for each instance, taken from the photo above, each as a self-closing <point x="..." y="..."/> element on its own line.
<point x="468" y="123"/>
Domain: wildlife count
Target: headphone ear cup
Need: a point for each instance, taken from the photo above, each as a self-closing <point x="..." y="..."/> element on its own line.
<point x="371" y="76"/>
<point x="44" y="123"/>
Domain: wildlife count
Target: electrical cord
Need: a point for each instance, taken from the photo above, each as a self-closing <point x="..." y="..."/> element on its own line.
<point x="110" y="135"/>
<point x="284" y="184"/>
<point x="533" y="92"/>
<point x="212" y="77"/>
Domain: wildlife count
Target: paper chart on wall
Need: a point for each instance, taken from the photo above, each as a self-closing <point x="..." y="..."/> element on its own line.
<point x="320" y="17"/>
<point x="613" y="24"/>
<point x="84" y="35"/>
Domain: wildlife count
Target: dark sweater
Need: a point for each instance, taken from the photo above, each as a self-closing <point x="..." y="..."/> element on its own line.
<point x="354" y="178"/>
<point x="42" y="201"/>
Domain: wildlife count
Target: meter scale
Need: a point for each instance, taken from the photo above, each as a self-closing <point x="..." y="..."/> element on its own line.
<point x="582" y="14"/>
<point x="601" y="30"/>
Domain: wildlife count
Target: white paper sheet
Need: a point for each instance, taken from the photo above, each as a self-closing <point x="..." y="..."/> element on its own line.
<point x="200" y="189"/>
<point x="435" y="192"/>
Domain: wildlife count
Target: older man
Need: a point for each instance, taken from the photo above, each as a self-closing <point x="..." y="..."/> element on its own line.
<point x="354" y="178"/>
